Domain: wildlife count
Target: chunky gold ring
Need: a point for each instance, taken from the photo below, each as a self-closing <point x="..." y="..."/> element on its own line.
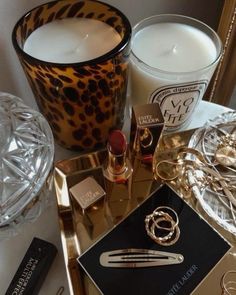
<point x="162" y="217"/>
<point x="155" y="237"/>
<point x="171" y="241"/>
<point x="176" y="218"/>
<point x="152" y="224"/>
<point x="150" y="228"/>
<point x="166" y="218"/>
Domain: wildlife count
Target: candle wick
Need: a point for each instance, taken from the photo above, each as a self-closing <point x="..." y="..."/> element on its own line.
<point x="77" y="49"/>
<point x="174" y="49"/>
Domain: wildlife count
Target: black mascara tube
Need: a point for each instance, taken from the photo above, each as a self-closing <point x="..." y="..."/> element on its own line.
<point x="33" y="268"/>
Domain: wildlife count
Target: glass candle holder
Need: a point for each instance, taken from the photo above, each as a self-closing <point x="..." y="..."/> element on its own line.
<point x="173" y="58"/>
<point x="82" y="101"/>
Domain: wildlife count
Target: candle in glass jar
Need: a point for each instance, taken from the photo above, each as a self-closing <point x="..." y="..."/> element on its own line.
<point x="71" y="40"/>
<point x="174" y="47"/>
<point x="171" y="63"/>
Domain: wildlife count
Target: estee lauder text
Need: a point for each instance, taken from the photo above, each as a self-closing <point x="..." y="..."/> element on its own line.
<point x="147" y="119"/>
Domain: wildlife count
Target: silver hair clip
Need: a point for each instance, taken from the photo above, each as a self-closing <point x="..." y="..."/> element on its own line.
<point x="134" y="258"/>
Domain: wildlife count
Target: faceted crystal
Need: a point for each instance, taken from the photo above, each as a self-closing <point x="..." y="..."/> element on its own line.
<point x="26" y="156"/>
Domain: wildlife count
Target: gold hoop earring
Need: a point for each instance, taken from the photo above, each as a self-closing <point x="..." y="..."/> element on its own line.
<point x="146" y="138"/>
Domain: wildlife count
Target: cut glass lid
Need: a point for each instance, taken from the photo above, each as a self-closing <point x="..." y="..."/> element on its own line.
<point x="26" y="156"/>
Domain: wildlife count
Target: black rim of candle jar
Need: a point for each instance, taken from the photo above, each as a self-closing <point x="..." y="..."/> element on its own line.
<point x="109" y="55"/>
<point x="180" y="17"/>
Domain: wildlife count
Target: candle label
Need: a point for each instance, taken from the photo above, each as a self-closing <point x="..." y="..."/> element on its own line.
<point x="178" y="101"/>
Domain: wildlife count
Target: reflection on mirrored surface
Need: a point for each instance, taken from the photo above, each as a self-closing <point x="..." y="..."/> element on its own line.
<point x="76" y="237"/>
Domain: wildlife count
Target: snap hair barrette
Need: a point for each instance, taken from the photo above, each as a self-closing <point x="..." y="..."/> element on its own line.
<point x="136" y="258"/>
<point x="162" y="226"/>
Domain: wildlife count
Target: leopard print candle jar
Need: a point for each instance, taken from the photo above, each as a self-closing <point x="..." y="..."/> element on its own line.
<point x="82" y="100"/>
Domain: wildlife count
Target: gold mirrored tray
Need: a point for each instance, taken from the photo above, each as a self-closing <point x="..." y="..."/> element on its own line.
<point x="79" y="232"/>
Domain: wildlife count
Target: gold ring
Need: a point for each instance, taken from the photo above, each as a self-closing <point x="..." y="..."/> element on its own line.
<point x="150" y="228"/>
<point x="171" y="241"/>
<point x="226" y="286"/>
<point x="152" y="224"/>
<point x="174" y="169"/>
<point x="168" y="209"/>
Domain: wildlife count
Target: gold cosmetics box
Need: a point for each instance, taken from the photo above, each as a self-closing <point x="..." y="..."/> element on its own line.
<point x="88" y="198"/>
<point x="87" y="192"/>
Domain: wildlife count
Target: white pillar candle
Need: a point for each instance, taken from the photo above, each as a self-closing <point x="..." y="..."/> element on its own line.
<point x="172" y="63"/>
<point x="71" y="40"/>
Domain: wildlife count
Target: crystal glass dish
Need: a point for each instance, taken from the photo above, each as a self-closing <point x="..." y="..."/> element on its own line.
<point x="26" y="158"/>
<point x="208" y="140"/>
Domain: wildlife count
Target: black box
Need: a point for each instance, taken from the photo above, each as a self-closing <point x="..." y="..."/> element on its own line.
<point x="201" y="246"/>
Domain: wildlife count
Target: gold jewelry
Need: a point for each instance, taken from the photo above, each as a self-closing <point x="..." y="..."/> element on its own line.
<point x="228" y="283"/>
<point x="154" y="224"/>
<point x="168" y="170"/>
<point x="225" y="153"/>
<point x="175" y="219"/>
<point x="226" y="156"/>
<point x="165" y="218"/>
<point x="155" y="230"/>
<point x="219" y="147"/>
<point x="146" y="138"/>
<point x="171" y="241"/>
<point x="228" y="140"/>
<point x="184" y="151"/>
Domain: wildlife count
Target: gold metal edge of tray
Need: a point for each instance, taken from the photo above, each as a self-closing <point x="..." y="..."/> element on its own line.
<point x="66" y="170"/>
<point x="70" y="244"/>
<point x="68" y="237"/>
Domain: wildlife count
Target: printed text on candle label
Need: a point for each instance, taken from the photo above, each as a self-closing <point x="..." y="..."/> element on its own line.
<point x="177" y="102"/>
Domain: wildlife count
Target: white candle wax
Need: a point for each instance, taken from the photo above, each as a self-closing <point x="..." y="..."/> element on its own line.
<point x="174" y="47"/>
<point x="71" y="40"/>
<point x="170" y="65"/>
